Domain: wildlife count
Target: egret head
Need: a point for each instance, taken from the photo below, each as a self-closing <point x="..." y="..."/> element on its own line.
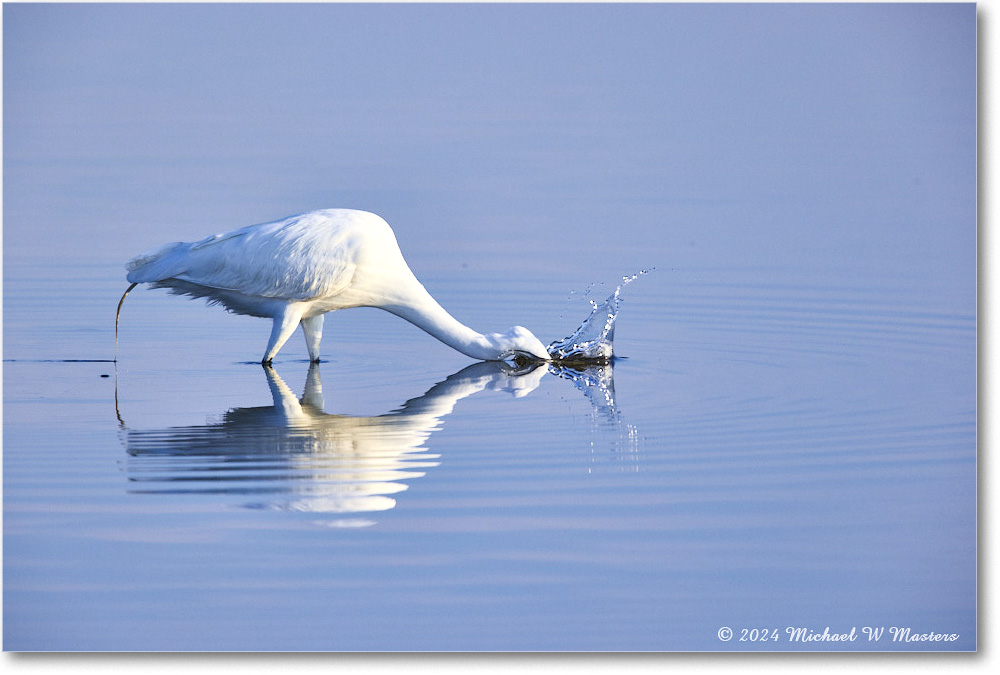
<point x="519" y="342"/>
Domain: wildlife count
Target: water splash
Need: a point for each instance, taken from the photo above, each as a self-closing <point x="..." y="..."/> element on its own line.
<point x="593" y="341"/>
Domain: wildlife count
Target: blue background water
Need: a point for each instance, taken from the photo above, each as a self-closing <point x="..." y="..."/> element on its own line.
<point x="793" y="436"/>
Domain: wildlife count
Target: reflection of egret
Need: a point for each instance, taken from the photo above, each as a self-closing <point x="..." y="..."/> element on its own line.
<point x="318" y="462"/>
<point x="295" y="270"/>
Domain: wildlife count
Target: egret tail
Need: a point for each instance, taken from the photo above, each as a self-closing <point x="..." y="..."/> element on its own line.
<point x="117" y="314"/>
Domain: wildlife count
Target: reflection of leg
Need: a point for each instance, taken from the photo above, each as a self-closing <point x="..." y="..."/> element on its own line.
<point x="283" y="398"/>
<point x="312" y="328"/>
<point x="284" y="325"/>
<point x="313" y="394"/>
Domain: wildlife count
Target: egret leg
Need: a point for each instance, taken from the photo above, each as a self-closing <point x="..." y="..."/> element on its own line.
<point x="284" y="326"/>
<point x="117" y="314"/>
<point x="312" y="328"/>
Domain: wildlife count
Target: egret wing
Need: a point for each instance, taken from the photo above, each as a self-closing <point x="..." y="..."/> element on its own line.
<point x="298" y="258"/>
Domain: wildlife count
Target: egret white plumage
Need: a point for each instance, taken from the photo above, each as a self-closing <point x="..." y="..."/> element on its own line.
<point x="297" y="269"/>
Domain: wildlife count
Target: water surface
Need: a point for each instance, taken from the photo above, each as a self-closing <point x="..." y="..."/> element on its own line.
<point x="786" y="437"/>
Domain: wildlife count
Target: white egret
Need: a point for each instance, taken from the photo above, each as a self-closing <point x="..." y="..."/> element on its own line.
<point x="297" y="269"/>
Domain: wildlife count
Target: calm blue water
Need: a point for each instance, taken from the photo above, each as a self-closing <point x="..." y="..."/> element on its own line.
<point x="789" y="438"/>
